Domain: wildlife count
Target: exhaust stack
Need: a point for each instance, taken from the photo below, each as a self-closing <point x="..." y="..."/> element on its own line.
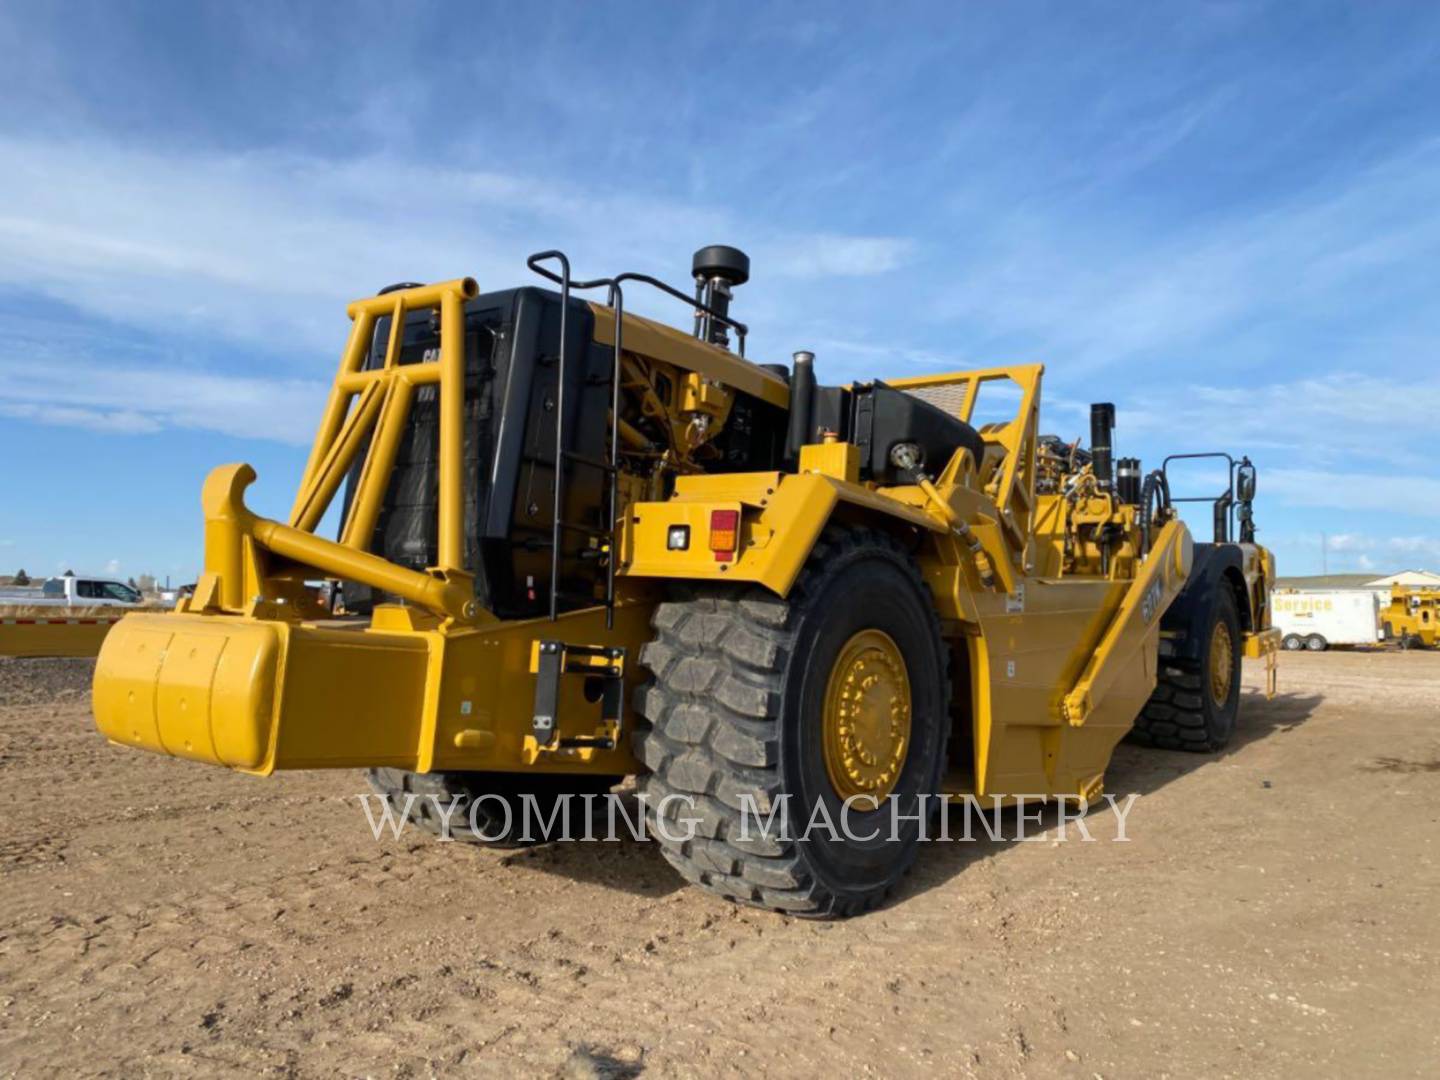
<point x="1102" y="423"/>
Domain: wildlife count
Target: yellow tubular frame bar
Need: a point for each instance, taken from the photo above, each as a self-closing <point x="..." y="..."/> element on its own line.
<point x="381" y="400"/>
<point x="1015" y="491"/>
<point x="385" y="394"/>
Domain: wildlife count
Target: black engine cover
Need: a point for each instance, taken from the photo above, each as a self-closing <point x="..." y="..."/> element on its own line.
<point x="512" y="345"/>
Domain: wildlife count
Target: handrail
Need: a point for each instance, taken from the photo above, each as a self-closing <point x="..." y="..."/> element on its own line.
<point x="741" y="330"/>
<point x="616" y="299"/>
<point x="1224" y="503"/>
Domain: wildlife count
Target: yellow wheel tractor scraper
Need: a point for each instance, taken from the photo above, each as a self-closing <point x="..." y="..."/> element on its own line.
<point x="584" y="545"/>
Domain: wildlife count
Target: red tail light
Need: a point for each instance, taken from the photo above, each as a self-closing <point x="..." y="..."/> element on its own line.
<point x="724" y="534"/>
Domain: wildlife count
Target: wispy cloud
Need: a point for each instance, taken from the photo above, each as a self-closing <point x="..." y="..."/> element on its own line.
<point x="842" y="256"/>
<point x="1385" y="493"/>
<point x="265" y="247"/>
<point x="1343" y="419"/>
<point x="1097" y="291"/>
<point x="1421" y="548"/>
<point x="115" y="422"/>
<point x="142" y="401"/>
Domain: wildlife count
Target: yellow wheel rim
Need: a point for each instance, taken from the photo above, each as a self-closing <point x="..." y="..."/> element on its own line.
<point x="867" y="717"/>
<point x="1222" y="663"/>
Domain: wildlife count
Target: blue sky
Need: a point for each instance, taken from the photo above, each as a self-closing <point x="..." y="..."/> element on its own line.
<point x="1220" y="216"/>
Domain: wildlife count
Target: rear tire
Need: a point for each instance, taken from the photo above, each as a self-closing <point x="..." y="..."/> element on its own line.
<point x="740" y="705"/>
<point x="491" y="824"/>
<point x="1195" y="704"/>
<point x="1293" y="643"/>
<point x="1316" y="643"/>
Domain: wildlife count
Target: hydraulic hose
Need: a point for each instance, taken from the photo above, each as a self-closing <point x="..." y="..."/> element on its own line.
<point x="1157" y="489"/>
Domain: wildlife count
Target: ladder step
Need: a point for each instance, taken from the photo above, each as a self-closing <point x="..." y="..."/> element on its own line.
<point x="594" y="463"/>
<point x="589" y="530"/>
<point x="579" y="598"/>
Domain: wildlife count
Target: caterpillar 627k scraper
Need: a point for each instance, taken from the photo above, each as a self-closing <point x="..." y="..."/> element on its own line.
<point x="587" y="545"/>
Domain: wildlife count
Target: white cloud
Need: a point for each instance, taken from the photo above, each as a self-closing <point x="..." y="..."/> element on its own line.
<point x="1338" y="442"/>
<point x="267" y="246"/>
<point x="1418" y="496"/>
<point x="112" y="567"/>
<point x="115" y="422"/>
<point x="1337" y="419"/>
<point x="1422" y="548"/>
<point x="1097" y="291"/>
<point x="838" y="256"/>
<point x="138" y="401"/>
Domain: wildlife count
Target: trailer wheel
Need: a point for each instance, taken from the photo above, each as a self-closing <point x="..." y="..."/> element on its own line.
<point x="1195" y="704"/>
<point x="1316" y="643"/>
<point x="1293" y="643"/>
<point x="832" y="698"/>
<point x="493" y="803"/>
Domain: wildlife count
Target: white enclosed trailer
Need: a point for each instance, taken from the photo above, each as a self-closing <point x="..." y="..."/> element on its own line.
<point x="1315" y="619"/>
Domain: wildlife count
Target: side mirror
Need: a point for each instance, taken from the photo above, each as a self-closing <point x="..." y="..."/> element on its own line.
<point x="1245" y="483"/>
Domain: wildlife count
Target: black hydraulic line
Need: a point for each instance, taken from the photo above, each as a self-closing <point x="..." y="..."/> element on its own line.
<point x="1156" y="486"/>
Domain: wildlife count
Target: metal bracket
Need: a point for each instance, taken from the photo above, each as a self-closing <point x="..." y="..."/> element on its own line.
<point x="550" y="667"/>
<point x="551" y="661"/>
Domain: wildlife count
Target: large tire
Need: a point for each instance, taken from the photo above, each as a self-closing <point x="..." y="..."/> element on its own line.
<point x="737" y="707"/>
<point x="1194" y="707"/>
<point x="491" y="825"/>
<point x="1316" y="643"/>
<point x="1293" y="643"/>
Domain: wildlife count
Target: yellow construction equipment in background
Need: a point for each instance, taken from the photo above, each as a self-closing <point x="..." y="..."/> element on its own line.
<point x="586" y="545"/>
<point x="1413" y="617"/>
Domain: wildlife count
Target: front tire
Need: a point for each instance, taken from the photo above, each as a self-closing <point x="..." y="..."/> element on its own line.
<point x="1195" y="704"/>
<point x="1293" y="643"/>
<point x="838" y="690"/>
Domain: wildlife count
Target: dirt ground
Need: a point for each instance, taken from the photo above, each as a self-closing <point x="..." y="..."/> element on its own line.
<point x="1276" y="911"/>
